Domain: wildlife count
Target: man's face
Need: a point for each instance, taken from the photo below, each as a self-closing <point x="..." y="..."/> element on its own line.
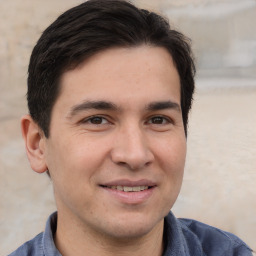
<point x="117" y="126"/>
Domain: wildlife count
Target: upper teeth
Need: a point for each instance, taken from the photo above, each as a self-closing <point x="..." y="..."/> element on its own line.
<point x="129" y="189"/>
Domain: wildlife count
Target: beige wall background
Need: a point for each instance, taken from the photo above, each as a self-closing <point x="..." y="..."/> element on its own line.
<point x="220" y="178"/>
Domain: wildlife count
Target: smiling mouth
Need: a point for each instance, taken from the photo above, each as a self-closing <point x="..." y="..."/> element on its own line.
<point x="129" y="189"/>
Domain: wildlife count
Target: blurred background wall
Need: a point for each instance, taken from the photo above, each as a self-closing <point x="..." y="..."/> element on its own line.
<point x="220" y="178"/>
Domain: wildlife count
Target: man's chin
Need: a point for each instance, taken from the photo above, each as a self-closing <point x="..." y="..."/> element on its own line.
<point x="133" y="229"/>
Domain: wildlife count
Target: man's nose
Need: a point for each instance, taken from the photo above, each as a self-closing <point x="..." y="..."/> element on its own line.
<point x="131" y="149"/>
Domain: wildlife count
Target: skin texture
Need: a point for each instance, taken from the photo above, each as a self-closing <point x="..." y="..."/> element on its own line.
<point x="117" y="121"/>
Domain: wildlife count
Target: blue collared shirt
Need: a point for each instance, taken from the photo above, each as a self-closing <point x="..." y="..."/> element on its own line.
<point x="182" y="237"/>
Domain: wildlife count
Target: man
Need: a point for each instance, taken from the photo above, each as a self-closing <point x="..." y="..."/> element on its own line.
<point x="109" y="91"/>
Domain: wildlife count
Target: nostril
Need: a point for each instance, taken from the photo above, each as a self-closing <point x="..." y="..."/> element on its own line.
<point x="122" y="163"/>
<point x="148" y="163"/>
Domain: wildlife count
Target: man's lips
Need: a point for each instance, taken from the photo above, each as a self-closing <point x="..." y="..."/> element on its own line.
<point x="129" y="185"/>
<point x="130" y="192"/>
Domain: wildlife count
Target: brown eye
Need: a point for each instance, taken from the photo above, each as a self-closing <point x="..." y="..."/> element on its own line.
<point x="158" y="120"/>
<point x="97" y="120"/>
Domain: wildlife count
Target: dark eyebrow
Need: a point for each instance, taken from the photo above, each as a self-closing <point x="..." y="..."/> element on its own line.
<point x="100" y="105"/>
<point x="163" y="105"/>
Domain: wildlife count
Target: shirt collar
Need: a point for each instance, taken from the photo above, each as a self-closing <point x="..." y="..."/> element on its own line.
<point x="178" y="239"/>
<point x="49" y="247"/>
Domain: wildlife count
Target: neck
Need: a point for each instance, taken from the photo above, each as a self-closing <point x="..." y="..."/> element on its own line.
<point x="72" y="240"/>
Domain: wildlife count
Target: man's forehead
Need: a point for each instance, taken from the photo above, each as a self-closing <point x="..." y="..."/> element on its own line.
<point x="124" y="52"/>
<point x="150" y="81"/>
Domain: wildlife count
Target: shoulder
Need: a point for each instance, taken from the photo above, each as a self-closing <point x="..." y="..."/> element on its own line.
<point x="213" y="240"/>
<point x="33" y="247"/>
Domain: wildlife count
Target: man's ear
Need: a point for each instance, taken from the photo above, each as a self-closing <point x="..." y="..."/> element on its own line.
<point x="35" y="143"/>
